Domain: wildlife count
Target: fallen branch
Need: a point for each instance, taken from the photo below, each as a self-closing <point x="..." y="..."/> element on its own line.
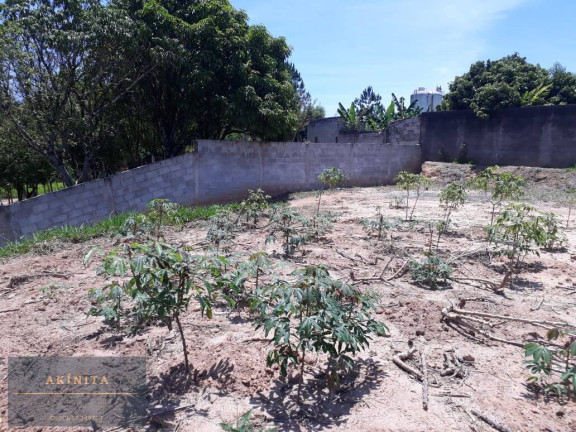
<point x="398" y="272"/>
<point x="505" y="318"/>
<point x="491" y="422"/>
<point x="346" y="256"/>
<point x="9" y="310"/>
<point x="399" y="360"/>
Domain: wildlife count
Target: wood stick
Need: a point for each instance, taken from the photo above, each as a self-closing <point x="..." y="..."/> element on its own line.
<point x="424" y="382"/>
<point x="507" y="318"/>
<point x="398" y="272"/>
<point x="498" y="426"/>
<point x="399" y="361"/>
<point x="9" y="310"/>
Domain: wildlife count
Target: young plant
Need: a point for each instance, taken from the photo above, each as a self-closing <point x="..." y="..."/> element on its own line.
<point x="571" y="201"/>
<point x="547" y="359"/>
<point x="412" y="182"/>
<point x="254" y="207"/>
<point x="220" y="231"/>
<point x="317" y="313"/>
<point x="430" y="271"/>
<point x="161" y="212"/>
<point x="555" y="238"/>
<point x="330" y="178"/>
<point x="291" y="227"/>
<point x="153" y="282"/>
<point x="499" y="187"/>
<point x="517" y="232"/>
<point x="452" y="196"/>
<point x="379" y="226"/>
<point x="244" y="424"/>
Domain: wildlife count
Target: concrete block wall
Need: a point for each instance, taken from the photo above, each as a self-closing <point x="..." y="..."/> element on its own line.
<point x="220" y="171"/>
<point x="404" y="131"/>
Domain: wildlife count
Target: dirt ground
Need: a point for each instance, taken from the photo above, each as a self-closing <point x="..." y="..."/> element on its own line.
<point x="44" y="300"/>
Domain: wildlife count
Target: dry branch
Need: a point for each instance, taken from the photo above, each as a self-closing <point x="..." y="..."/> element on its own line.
<point x="399" y="360"/>
<point x="424" y="382"/>
<point x="496" y="425"/>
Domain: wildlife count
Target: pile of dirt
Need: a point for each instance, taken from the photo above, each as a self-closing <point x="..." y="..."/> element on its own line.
<point x="555" y="179"/>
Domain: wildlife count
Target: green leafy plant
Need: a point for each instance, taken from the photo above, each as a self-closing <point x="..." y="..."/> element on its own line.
<point x="397" y="202"/>
<point x="452" y="196"/>
<point x="221" y="230"/>
<point x="555" y="237"/>
<point x="412" y="182"/>
<point x="499" y="187"/>
<point x="161" y="212"/>
<point x="154" y="282"/>
<point x="517" y="232"/>
<point x="330" y="178"/>
<point x="430" y="271"/>
<point x="291" y="227"/>
<point x="244" y="424"/>
<point x="316" y="313"/>
<point x="379" y="226"/>
<point x="547" y="359"/>
<point x="254" y="207"/>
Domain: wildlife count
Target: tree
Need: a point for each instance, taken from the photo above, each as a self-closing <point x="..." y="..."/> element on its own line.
<point x="509" y="82"/>
<point x="309" y="109"/>
<point x="61" y="68"/>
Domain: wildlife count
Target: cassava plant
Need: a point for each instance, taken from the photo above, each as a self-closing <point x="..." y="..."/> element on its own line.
<point x="557" y="359"/>
<point x="499" y="187"/>
<point x="292" y="228"/>
<point x="430" y="271"/>
<point x="412" y="182"/>
<point x="330" y="178"/>
<point x="221" y="230"/>
<point x="254" y="207"/>
<point x="317" y="314"/>
<point x="379" y="226"/>
<point x="517" y="232"/>
<point x="153" y="282"/>
<point x="452" y="196"/>
<point x="160" y="212"/>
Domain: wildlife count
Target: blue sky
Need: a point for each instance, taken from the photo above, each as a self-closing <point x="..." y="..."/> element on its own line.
<point x="340" y="47"/>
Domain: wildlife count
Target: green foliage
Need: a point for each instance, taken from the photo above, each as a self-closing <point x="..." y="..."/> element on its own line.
<point x="221" y="230"/>
<point x="452" y="196"/>
<point x="510" y="81"/>
<point x="367" y="113"/>
<point x="430" y="271"/>
<point x="291" y="227"/>
<point x="499" y="186"/>
<point x="155" y="282"/>
<point x="379" y="226"/>
<point x="331" y="178"/>
<point x="112" y="226"/>
<point x="548" y="359"/>
<point x="412" y="182"/>
<point x="244" y="424"/>
<point x="555" y="237"/>
<point x="517" y="232"/>
<point x="254" y="207"/>
<point x="316" y="313"/>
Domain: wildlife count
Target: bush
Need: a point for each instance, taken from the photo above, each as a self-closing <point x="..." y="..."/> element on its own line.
<point x="430" y="271"/>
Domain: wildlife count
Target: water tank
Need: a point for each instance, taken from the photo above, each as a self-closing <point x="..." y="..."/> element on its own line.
<point x="426" y="99"/>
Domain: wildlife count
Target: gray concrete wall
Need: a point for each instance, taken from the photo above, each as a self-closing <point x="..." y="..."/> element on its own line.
<point x="543" y="136"/>
<point x="219" y="171"/>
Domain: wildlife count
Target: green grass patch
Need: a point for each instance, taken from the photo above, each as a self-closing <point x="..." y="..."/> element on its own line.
<point x="110" y="226"/>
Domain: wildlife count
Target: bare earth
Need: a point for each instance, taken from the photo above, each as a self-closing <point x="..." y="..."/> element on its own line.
<point x="43" y="305"/>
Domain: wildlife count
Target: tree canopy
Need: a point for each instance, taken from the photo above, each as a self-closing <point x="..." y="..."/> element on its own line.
<point x="94" y="86"/>
<point x="509" y="82"/>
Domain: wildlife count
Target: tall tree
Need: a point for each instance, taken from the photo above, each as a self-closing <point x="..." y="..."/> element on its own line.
<point x="509" y="82"/>
<point x="61" y="69"/>
<point x="308" y="109"/>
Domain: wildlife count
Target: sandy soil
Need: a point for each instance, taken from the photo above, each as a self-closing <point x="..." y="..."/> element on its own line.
<point x="43" y="305"/>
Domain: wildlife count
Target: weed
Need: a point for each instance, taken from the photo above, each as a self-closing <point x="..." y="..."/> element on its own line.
<point x="244" y="424"/>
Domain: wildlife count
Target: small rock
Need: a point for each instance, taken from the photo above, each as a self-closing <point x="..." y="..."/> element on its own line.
<point x="246" y="382"/>
<point x="420" y="332"/>
<point x="468" y="358"/>
<point x="560" y="413"/>
<point x="254" y="377"/>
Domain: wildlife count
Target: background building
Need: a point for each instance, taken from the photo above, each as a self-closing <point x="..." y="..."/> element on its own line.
<point x="428" y="100"/>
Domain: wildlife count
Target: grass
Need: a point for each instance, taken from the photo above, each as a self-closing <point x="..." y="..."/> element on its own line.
<point x="110" y="226"/>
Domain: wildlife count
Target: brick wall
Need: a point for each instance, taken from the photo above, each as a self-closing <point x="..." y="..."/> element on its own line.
<point x="221" y="171"/>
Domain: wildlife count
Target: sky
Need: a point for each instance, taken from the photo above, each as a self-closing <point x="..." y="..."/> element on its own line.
<point x="340" y="47"/>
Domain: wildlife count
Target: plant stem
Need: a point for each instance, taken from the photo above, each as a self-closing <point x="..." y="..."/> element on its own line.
<point x="177" y="318"/>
